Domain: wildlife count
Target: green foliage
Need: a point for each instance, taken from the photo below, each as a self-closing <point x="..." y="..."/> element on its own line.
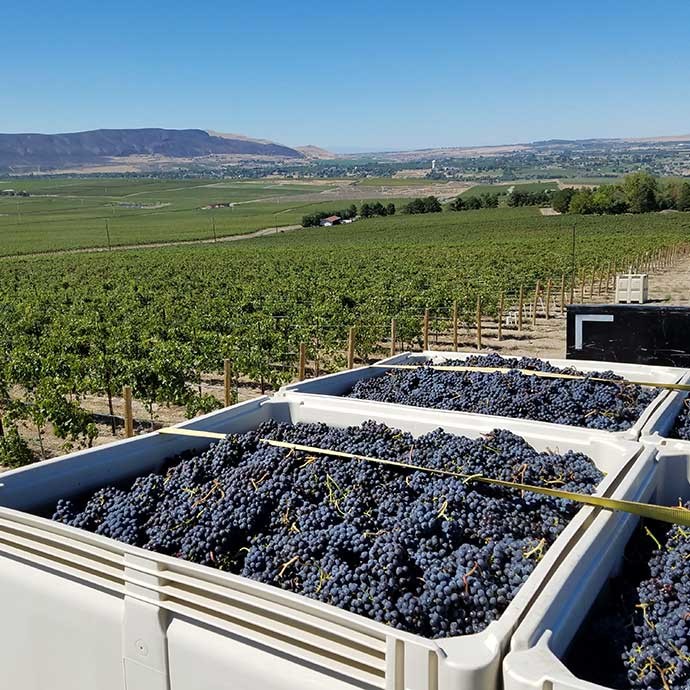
<point x="683" y="198"/>
<point x="582" y="202"/>
<point x="675" y="194"/>
<point x="560" y="201"/>
<point x="49" y="402"/>
<point x="314" y="219"/>
<point x="458" y="204"/>
<point x="474" y="203"/>
<point x="610" y="199"/>
<point x="641" y="190"/>
<point x="526" y="198"/>
<point x="201" y="404"/>
<point x="370" y="210"/>
<point x="14" y="451"/>
<point x="429" y="204"/>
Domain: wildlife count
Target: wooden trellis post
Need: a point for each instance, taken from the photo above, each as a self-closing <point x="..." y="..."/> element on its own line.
<point x="393" y="337"/>
<point x="534" y="306"/>
<point x="521" y="306"/>
<point x="351" y="348"/>
<point x="479" y="322"/>
<point x="302" y="362"/>
<point x="547" y="310"/>
<point x="591" y="286"/>
<point x="501" y="304"/>
<point x="227" y="382"/>
<point x="455" y="326"/>
<point x="583" y="277"/>
<point x="129" y="419"/>
<point x="425" y="334"/>
<point x="562" y="302"/>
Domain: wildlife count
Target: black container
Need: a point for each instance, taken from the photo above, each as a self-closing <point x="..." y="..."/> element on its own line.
<point x="632" y="333"/>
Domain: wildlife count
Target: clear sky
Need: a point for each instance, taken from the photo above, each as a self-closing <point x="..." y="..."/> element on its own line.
<point x="350" y="75"/>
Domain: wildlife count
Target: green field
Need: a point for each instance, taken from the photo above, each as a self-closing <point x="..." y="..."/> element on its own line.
<point x="398" y="182"/>
<point x="503" y="188"/>
<point x="65" y="213"/>
<point x="73" y="213"/>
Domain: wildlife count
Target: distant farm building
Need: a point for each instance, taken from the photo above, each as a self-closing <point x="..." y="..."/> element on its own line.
<point x="227" y="204"/>
<point x="331" y="220"/>
<point x="8" y="192"/>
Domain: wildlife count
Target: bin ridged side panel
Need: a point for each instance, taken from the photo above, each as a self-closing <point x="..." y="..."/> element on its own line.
<point x="57" y="633"/>
<point x="201" y="657"/>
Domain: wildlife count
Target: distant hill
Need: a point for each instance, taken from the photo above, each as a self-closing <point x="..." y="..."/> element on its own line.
<point x="108" y="146"/>
<point x="311" y="151"/>
<point x="510" y="149"/>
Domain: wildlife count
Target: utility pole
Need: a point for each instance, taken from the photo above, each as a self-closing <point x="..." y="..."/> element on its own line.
<point x="215" y="238"/>
<point x="107" y="234"/>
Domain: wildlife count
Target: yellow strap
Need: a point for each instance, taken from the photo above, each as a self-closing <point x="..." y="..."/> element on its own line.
<point x="531" y="372"/>
<point x="674" y="514"/>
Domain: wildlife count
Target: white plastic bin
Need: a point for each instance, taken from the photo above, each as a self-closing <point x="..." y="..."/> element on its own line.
<point x="339" y="384"/>
<point x="660" y="423"/>
<point x="632" y="287"/>
<point x="543" y="637"/>
<point x="99" y="613"/>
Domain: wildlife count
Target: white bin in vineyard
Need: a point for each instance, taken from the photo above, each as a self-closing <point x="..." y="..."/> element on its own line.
<point x="544" y="636"/>
<point x="632" y="288"/>
<point x="326" y="387"/>
<point x="81" y="611"/>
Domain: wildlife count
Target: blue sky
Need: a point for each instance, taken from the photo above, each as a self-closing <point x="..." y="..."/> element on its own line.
<point x="350" y="75"/>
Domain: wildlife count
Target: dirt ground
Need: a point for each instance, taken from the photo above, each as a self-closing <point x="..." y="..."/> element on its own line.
<point x="545" y="339"/>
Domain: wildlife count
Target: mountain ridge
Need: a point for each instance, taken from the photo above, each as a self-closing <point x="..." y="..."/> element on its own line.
<point x="103" y="146"/>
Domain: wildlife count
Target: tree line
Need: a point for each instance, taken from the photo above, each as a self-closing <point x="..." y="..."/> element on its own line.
<point x="638" y="193"/>
<point x="524" y="198"/>
<point x="515" y="199"/>
<point x="314" y="219"/>
<point x="367" y="210"/>
<point x="429" y="204"/>
<point x="376" y="209"/>
<point x="474" y="203"/>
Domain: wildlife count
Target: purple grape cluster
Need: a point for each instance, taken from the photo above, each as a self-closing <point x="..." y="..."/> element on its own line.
<point x="585" y="403"/>
<point x="426" y="553"/>
<point x="659" y="656"/>
<point x="681" y="427"/>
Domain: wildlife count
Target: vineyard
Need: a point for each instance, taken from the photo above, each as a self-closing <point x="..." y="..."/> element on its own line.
<point x="160" y="320"/>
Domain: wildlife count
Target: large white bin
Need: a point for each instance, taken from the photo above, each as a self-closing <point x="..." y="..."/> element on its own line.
<point x="543" y="637"/>
<point x="659" y="424"/>
<point x="632" y="287"/>
<point x="81" y="611"/>
<point x="339" y="384"/>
